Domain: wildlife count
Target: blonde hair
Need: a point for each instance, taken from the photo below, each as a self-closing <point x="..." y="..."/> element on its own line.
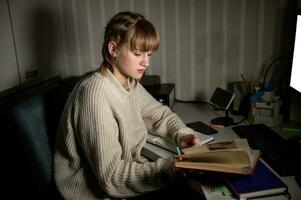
<point x="132" y="29"/>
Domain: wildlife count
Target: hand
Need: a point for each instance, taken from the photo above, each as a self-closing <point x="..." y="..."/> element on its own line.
<point x="182" y="172"/>
<point x="177" y="172"/>
<point x="189" y="141"/>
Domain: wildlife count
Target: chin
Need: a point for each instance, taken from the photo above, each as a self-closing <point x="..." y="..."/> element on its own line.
<point x="137" y="77"/>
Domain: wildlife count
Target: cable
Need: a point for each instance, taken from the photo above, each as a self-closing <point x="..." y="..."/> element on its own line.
<point x="236" y="123"/>
<point x="269" y="67"/>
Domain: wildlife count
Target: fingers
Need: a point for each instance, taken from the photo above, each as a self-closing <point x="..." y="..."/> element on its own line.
<point x="189" y="141"/>
<point x="197" y="141"/>
<point x="186" y="173"/>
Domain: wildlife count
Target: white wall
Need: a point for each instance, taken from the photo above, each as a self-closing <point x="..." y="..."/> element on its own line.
<point x="204" y="43"/>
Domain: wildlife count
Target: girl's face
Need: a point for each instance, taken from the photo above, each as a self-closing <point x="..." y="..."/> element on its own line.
<point x="130" y="64"/>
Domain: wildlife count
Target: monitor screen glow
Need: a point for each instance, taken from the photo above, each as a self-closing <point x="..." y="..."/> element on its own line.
<point x="295" y="81"/>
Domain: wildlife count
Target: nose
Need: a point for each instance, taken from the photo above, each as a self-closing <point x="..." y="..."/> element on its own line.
<point x="145" y="60"/>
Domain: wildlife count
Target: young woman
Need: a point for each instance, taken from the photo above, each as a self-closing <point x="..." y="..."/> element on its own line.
<point x="107" y="117"/>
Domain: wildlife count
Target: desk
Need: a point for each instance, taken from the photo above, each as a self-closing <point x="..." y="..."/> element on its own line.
<point x="201" y="112"/>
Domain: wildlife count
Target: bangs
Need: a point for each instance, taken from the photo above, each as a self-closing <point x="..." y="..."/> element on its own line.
<point x="143" y="37"/>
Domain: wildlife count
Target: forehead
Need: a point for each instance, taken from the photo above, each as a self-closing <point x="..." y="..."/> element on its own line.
<point x="141" y="51"/>
<point x="126" y="48"/>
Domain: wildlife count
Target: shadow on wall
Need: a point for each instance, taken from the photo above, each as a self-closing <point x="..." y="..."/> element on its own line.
<point x="45" y="40"/>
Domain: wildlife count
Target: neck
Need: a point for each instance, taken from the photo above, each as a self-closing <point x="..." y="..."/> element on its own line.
<point x="120" y="77"/>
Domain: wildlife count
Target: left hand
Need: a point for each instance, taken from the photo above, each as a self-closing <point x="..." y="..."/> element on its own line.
<point x="189" y="141"/>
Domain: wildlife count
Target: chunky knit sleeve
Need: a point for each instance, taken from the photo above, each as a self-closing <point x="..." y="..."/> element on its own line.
<point x="98" y="136"/>
<point x="160" y="119"/>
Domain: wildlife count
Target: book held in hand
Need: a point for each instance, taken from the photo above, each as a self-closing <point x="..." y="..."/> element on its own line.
<point x="233" y="156"/>
<point x="263" y="182"/>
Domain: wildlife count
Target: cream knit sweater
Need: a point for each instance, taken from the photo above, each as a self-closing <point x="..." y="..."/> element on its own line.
<point x="102" y="131"/>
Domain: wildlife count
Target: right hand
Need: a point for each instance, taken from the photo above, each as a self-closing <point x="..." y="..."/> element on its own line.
<point x="189" y="140"/>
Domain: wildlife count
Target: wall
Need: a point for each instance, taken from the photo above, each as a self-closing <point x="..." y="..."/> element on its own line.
<point x="36" y="35"/>
<point x="9" y="71"/>
<point x="204" y="43"/>
<point x="29" y="41"/>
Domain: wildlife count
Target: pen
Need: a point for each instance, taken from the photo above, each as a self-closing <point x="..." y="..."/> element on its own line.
<point x="178" y="150"/>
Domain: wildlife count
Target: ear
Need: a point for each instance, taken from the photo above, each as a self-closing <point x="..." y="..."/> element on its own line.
<point x="112" y="48"/>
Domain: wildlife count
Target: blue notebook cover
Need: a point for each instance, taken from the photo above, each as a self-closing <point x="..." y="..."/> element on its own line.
<point x="263" y="182"/>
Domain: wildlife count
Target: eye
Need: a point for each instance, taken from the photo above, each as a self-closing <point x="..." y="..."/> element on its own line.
<point x="137" y="54"/>
<point x="149" y="54"/>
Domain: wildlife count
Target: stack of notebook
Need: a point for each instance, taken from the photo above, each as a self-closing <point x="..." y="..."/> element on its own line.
<point x="263" y="182"/>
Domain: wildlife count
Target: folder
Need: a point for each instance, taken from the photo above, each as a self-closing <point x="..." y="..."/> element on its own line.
<point x="263" y="182"/>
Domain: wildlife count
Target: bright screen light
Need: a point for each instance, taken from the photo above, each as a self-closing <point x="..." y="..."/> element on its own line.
<point x="296" y="69"/>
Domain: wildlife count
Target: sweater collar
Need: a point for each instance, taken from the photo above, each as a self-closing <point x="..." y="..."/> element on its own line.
<point x="116" y="87"/>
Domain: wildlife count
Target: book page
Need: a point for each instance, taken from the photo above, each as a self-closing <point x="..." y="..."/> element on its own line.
<point x="231" y="156"/>
<point x="255" y="154"/>
<point x="216" y="167"/>
<point x="243" y="144"/>
<point x="204" y="138"/>
<point x="224" y="145"/>
<point x="227" y="154"/>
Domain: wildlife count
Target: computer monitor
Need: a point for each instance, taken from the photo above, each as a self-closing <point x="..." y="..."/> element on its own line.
<point x="295" y="76"/>
<point x="295" y="80"/>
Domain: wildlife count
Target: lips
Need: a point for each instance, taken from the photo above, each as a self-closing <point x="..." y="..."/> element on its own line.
<point x="140" y="71"/>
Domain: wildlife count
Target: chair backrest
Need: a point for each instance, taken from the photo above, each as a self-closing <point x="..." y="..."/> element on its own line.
<point x="29" y="121"/>
<point x="32" y="124"/>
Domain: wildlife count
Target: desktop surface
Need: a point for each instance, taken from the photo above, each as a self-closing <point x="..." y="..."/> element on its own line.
<point x="190" y="112"/>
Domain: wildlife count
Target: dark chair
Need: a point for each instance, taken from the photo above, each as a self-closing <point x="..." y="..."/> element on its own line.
<point x="29" y="127"/>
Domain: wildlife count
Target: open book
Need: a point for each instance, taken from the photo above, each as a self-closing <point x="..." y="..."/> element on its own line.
<point x="233" y="156"/>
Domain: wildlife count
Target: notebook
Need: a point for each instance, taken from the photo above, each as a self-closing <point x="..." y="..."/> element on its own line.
<point x="158" y="141"/>
<point x="263" y="182"/>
